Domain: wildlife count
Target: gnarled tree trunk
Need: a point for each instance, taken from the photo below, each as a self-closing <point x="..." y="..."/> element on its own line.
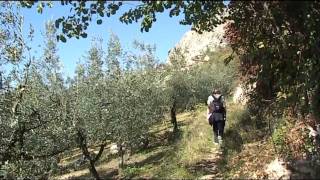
<point x="173" y="113"/>
<point x="83" y="146"/>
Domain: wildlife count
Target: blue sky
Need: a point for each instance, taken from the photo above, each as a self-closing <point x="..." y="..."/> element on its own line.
<point x="165" y="33"/>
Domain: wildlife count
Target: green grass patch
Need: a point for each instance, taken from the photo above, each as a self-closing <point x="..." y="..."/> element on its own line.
<point x="176" y="158"/>
<point x="185" y="154"/>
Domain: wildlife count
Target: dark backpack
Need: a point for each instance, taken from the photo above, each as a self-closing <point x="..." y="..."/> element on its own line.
<point x="218" y="110"/>
<point x="217" y="105"/>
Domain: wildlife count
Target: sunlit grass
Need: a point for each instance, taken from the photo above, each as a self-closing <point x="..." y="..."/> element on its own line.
<point x="190" y="145"/>
<point x="185" y="154"/>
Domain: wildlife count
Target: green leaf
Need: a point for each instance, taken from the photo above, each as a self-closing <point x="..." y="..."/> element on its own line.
<point x="62" y="38"/>
<point x="40" y="8"/>
<point x="99" y="21"/>
<point x="160" y="9"/>
<point x="57" y="22"/>
<point x="228" y="59"/>
<point x="27" y="4"/>
<point x="84" y="35"/>
<point x="100" y="11"/>
<point x="85" y="18"/>
<point x="260" y="45"/>
<point x="50" y="4"/>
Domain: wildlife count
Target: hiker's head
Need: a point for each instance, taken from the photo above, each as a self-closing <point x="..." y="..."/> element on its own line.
<point x="216" y="91"/>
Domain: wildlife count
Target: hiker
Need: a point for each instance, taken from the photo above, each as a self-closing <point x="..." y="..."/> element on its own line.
<point x="216" y="114"/>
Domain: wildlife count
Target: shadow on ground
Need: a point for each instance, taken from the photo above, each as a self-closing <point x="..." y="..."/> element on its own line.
<point x="163" y="144"/>
<point x="232" y="141"/>
<point x="204" y="167"/>
<point x="107" y="174"/>
<point x="153" y="159"/>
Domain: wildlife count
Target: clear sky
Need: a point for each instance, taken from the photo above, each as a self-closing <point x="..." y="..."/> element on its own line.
<point x="165" y="33"/>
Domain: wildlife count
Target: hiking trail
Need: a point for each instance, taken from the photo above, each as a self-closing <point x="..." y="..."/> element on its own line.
<point x="211" y="164"/>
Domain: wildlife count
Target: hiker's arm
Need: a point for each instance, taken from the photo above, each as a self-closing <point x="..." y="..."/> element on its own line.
<point x="224" y="108"/>
<point x="208" y="107"/>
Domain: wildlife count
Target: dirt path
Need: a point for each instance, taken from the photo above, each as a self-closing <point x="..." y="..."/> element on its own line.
<point x="210" y="164"/>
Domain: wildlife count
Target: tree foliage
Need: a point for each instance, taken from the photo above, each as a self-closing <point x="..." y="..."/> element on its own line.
<point x="115" y="96"/>
<point x="120" y="96"/>
<point x="200" y="14"/>
<point x="33" y="114"/>
<point x="278" y="43"/>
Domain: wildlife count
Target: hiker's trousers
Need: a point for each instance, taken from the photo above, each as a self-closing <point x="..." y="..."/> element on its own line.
<point x="218" y="128"/>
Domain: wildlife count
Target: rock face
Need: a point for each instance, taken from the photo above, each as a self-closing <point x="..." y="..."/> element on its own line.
<point x="238" y="95"/>
<point x="299" y="169"/>
<point x="193" y="44"/>
<point x="277" y="170"/>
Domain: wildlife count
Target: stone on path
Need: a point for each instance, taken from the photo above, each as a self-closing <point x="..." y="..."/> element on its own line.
<point x="210" y="164"/>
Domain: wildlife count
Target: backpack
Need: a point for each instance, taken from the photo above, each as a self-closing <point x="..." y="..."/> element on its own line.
<point x="218" y="110"/>
<point x="217" y="105"/>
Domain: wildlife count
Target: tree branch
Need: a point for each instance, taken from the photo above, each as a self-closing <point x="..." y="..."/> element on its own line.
<point x="102" y="146"/>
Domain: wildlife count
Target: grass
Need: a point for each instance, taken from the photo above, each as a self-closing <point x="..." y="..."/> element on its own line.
<point x="190" y="153"/>
<point x="190" y="145"/>
<point x="169" y="156"/>
<point x="245" y="152"/>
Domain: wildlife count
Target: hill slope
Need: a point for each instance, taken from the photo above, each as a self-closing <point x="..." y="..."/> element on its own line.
<point x="193" y="44"/>
<point x="190" y="153"/>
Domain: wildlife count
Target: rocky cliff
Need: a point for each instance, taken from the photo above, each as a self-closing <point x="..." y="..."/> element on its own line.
<point x="193" y="44"/>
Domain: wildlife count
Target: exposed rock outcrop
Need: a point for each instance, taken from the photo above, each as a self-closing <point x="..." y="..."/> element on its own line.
<point x="277" y="170"/>
<point x="193" y="44"/>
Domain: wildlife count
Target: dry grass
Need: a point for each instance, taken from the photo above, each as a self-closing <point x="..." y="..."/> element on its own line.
<point x="180" y="156"/>
<point x="169" y="155"/>
<point x="245" y="152"/>
<point x="190" y="153"/>
<point x="250" y="162"/>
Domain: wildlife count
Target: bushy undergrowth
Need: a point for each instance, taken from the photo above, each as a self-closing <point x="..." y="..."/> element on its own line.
<point x="293" y="142"/>
<point x="279" y="139"/>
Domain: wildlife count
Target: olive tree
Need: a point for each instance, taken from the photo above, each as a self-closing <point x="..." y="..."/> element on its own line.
<point x="34" y="109"/>
<point x="88" y="116"/>
<point x="135" y="99"/>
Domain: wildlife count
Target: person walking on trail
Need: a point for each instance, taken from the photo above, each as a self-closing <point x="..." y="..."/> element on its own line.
<point x="216" y="114"/>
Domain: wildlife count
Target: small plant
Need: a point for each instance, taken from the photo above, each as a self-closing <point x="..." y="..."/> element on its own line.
<point x="130" y="172"/>
<point x="279" y="140"/>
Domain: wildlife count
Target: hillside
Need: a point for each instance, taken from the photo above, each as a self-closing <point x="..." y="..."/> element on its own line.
<point x="189" y="154"/>
<point x="94" y="108"/>
<point x="194" y="45"/>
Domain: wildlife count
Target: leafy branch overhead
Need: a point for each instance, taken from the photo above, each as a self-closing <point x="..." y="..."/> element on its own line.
<point x="200" y="14"/>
